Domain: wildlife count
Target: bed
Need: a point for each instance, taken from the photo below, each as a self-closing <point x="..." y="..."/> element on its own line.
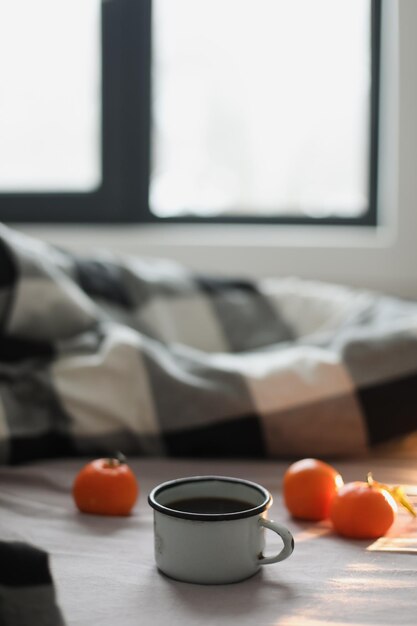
<point x="108" y="352"/>
<point x="104" y="572"/>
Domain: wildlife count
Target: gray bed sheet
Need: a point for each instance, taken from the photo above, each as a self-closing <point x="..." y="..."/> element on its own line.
<point x="104" y="570"/>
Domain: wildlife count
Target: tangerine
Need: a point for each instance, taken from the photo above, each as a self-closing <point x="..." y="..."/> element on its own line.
<point x="361" y="510"/>
<point x="105" y="487"/>
<point x="309" y="487"/>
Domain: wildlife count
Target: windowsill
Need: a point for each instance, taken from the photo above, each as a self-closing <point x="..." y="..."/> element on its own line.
<point x="142" y="236"/>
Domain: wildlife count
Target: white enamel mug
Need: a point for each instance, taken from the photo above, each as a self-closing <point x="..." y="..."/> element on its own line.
<point x="213" y="548"/>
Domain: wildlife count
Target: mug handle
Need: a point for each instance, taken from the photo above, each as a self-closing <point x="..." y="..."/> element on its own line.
<point x="286" y="537"/>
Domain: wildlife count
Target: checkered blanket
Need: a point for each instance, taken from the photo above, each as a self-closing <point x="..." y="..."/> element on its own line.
<point x="116" y="353"/>
<point x="27" y="592"/>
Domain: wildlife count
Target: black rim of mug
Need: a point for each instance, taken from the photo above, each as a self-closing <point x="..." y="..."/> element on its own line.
<point x="209" y="517"/>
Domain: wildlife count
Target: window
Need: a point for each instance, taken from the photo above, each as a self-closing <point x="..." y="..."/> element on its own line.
<point x="51" y="105"/>
<point x="189" y="110"/>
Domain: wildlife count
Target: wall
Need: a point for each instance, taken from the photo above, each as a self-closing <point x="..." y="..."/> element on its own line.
<point x="382" y="259"/>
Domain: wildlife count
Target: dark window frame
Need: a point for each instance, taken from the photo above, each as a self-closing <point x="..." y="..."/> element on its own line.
<point x="126" y="122"/>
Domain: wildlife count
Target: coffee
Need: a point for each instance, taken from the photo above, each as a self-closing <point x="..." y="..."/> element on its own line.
<point x="210" y="505"/>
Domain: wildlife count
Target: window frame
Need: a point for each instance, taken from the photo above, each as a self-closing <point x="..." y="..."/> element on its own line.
<point x="126" y="139"/>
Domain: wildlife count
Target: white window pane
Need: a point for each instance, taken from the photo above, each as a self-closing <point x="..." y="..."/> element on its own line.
<point x="260" y="106"/>
<point x="50" y="104"/>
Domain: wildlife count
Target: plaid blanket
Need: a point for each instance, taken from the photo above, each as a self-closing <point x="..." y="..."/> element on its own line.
<point x="141" y="355"/>
<point x="27" y="592"/>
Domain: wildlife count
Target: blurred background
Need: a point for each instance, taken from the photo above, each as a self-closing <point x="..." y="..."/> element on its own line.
<point x="264" y="138"/>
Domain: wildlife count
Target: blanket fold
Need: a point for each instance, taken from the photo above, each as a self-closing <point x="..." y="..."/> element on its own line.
<point x="27" y="594"/>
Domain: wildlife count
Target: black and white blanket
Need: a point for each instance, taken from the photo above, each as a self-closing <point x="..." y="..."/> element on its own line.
<point x="27" y="592"/>
<point x="113" y="353"/>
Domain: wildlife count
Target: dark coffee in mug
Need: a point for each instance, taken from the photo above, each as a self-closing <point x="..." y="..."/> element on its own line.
<point x="211" y="506"/>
